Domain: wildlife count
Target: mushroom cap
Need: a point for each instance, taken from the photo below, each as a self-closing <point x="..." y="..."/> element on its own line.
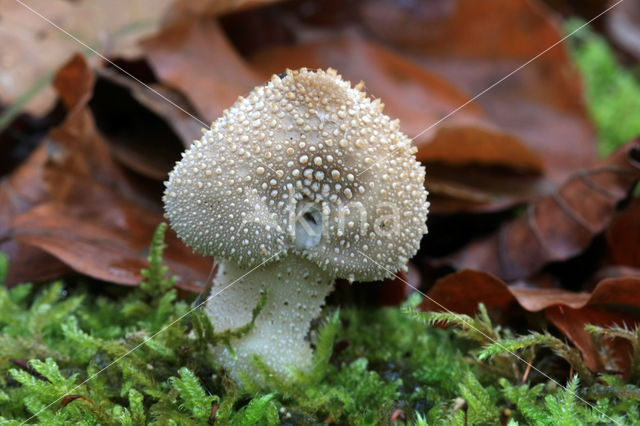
<point x="305" y="164"/>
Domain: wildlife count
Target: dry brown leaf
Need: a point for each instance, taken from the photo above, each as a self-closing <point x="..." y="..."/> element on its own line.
<point x="611" y="303"/>
<point x="70" y="398"/>
<point x="19" y="192"/>
<point x="614" y="302"/>
<point x="479" y="145"/>
<point x="107" y="243"/>
<point x="79" y="151"/>
<point x="558" y="226"/>
<point x="93" y="218"/>
<point x="30" y="264"/>
<point x="616" y="272"/>
<point x="623" y="236"/>
<point x="23" y="188"/>
<point x="458" y="30"/>
<point x="462" y="291"/>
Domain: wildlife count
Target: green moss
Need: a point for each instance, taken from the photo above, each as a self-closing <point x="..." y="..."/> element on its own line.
<point x="612" y="92"/>
<point x="69" y="355"/>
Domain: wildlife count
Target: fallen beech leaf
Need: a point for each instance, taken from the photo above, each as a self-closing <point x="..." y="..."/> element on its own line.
<point x="465" y="145"/>
<point x="616" y="272"/>
<point x="33" y="48"/>
<point x="107" y="243"/>
<point x="557" y="226"/>
<point x="195" y="57"/>
<point x="19" y="192"/>
<point x="24" y="187"/>
<point x="93" y="218"/>
<point x="146" y="145"/>
<point x="613" y="302"/>
<point x="462" y="291"/>
<point x="84" y="245"/>
<point x="542" y="103"/>
<point x="79" y="151"/>
<point x="623" y="236"/>
<point x="30" y="264"/>
<point x="74" y="83"/>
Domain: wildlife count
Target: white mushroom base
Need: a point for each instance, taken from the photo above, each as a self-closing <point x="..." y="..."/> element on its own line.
<point x="296" y="289"/>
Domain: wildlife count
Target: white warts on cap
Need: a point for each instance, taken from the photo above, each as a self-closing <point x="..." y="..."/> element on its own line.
<point x="303" y="139"/>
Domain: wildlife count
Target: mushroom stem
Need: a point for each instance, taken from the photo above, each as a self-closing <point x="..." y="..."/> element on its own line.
<point x="296" y="290"/>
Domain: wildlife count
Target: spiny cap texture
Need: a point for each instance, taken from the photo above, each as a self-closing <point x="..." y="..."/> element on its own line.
<point x="304" y="164"/>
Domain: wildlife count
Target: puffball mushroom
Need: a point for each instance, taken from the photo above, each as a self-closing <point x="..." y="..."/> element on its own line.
<point x="303" y="181"/>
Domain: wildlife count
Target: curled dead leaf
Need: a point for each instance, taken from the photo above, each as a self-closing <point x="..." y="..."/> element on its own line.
<point x="90" y="215"/>
<point x="478" y="189"/>
<point x="19" y="192"/>
<point x="108" y="243"/>
<point x="479" y="145"/>
<point x="613" y="302"/>
<point x="557" y="226"/>
<point x="623" y="236"/>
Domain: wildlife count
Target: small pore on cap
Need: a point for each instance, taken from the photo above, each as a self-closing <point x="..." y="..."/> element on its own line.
<point x="308" y="229"/>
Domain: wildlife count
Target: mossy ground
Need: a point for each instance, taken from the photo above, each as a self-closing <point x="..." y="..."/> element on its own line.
<point x="68" y="355"/>
<point x="72" y="354"/>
